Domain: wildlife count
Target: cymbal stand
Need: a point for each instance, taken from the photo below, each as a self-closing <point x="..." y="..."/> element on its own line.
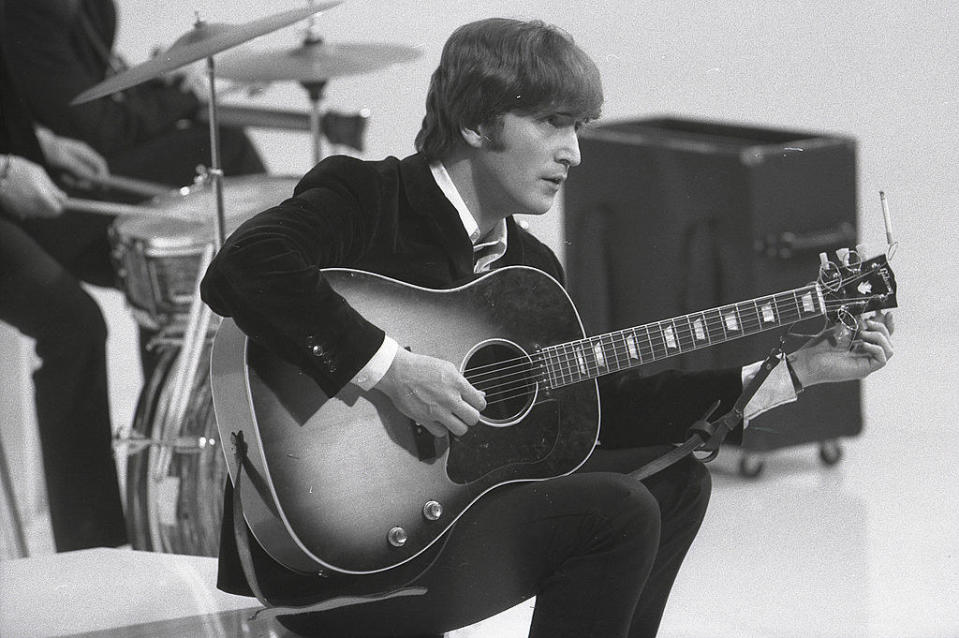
<point x="315" y="92"/>
<point x="194" y="338"/>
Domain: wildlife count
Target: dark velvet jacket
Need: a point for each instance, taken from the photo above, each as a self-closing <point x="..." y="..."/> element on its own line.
<point x="390" y="217"/>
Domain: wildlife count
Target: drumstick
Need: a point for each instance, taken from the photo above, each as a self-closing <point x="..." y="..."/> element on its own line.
<point x="130" y="185"/>
<point x="105" y="208"/>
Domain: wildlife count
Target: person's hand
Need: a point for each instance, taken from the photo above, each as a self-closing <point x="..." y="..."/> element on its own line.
<point x="839" y="354"/>
<point x="432" y="392"/>
<point x="27" y="190"/>
<point x="72" y="156"/>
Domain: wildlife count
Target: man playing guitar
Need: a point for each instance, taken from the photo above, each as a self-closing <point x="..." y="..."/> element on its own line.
<point x="598" y="548"/>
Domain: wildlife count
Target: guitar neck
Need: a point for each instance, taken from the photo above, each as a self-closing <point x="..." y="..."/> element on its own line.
<point x="593" y="357"/>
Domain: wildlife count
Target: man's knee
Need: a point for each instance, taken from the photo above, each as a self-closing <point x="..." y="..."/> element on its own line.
<point x="628" y="509"/>
<point x="74" y="323"/>
<point x="690" y="486"/>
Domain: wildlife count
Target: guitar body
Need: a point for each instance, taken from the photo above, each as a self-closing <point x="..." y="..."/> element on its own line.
<point x="332" y="479"/>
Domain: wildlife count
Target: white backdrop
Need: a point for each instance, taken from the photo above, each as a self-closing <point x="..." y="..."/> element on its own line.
<point x="881" y="71"/>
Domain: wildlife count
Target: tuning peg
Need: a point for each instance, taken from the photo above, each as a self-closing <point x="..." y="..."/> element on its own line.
<point x="823" y="261"/>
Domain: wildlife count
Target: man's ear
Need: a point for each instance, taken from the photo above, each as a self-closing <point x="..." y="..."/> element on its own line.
<point x="473" y="137"/>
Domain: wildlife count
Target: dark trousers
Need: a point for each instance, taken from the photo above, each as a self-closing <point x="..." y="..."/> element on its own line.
<point x="598" y="549"/>
<point x="42" y="299"/>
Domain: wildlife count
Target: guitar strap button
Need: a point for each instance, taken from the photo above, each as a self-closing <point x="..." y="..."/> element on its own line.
<point x="397" y="537"/>
<point x="432" y="510"/>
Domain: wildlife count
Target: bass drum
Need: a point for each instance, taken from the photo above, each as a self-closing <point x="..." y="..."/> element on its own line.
<point x="175" y="480"/>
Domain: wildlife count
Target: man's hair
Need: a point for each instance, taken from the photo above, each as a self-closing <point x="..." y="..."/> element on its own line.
<point x="496" y="66"/>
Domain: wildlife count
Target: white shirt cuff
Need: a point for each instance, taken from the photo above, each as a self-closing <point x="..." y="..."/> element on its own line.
<point x="370" y="374"/>
<point x="776" y="390"/>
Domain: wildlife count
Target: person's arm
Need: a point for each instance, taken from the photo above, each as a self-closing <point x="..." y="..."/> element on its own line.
<point x="26" y="190"/>
<point x="268" y="277"/>
<point x="73" y="156"/>
<point x="838" y="354"/>
<point x="51" y="69"/>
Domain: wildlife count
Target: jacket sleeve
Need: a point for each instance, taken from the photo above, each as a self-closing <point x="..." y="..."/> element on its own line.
<point x="641" y="410"/>
<point x="268" y="277"/>
<point x="52" y="60"/>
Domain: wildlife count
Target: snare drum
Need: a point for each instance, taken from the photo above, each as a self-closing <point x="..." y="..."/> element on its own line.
<point x="157" y="257"/>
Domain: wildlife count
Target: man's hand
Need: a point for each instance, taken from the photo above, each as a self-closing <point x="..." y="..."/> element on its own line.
<point x="72" y="156"/>
<point x="838" y="354"/>
<point x="432" y="392"/>
<point x="29" y="192"/>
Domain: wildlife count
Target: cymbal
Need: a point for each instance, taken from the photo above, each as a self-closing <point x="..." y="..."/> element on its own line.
<point x="203" y="41"/>
<point x="312" y="61"/>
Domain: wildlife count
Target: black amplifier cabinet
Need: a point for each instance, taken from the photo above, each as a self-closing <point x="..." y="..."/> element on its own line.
<point x="667" y="216"/>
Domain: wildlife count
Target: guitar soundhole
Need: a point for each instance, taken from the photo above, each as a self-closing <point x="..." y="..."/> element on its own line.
<point x="505" y="373"/>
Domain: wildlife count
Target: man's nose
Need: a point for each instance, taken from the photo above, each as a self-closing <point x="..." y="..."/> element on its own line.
<point x="568" y="153"/>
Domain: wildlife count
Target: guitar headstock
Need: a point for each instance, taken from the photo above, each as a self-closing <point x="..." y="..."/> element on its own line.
<point x="856" y="287"/>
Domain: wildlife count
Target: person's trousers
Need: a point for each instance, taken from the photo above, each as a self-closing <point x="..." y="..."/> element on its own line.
<point x="599" y="550"/>
<point x="42" y="299"/>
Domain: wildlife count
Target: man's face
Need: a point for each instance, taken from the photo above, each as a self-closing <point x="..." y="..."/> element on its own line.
<point x="525" y="162"/>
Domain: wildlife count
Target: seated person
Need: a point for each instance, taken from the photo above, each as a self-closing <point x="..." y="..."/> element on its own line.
<point x="598" y="548"/>
<point x="44" y="256"/>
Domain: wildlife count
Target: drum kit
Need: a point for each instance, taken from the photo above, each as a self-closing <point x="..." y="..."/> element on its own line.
<point x="175" y="467"/>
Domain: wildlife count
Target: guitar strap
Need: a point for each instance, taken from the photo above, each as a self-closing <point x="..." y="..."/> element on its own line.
<point x="708" y="435"/>
<point x="241" y="535"/>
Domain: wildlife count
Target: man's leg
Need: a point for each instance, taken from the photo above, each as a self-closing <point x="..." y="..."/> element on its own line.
<point x="682" y="492"/>
<point x="583" y="544"/>
<point x="44" y="302"/>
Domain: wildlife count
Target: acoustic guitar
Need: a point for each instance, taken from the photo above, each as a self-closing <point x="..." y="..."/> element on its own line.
<point x="348" y="483"/>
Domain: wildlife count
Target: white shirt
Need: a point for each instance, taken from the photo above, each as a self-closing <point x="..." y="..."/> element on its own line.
<point x="775" y="391"/>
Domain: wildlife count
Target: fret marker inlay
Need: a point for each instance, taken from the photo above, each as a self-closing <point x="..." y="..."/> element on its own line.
<point x="631" y="347"/>
<point x="732" y="322"/>
<point x="670" y="337"/>
<point x="699" y="329"/>
<point x="581" y="361"/>
<point x="768" y="315"/>
<point x="600" y="357"/>
<point x="807" y="303"/>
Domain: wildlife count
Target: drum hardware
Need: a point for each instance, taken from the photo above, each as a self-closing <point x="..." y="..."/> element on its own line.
<point x="135" y="443"/>
<point x="345" y="129"/>
<point x="163" y="494"/>
<point x="312" y="63"/>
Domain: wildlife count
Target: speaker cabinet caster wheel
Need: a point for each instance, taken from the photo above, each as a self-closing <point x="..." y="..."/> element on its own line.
<point x="751" y="465"/>
<point x="830" y="452"/>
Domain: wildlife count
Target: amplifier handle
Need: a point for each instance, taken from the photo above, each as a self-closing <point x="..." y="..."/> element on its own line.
<point x="788" y="244"/>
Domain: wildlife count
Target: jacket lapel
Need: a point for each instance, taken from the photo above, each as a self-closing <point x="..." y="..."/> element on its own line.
<point x="428" y="201"/>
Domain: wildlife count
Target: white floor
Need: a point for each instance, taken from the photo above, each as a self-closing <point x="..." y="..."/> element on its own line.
<point x="865" y="549"/>
<point x="868" y="548"/>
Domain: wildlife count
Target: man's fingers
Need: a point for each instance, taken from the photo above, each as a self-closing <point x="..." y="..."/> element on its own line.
<point x="878" y="337"/>
<point x="435" y="429"/>
<point x="466" y="413"/>
<point x="872" y="350"/>
<point x="472" y="396"/>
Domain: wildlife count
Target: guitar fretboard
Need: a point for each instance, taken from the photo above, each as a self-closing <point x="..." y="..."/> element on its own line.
<point x="589" y="358"/>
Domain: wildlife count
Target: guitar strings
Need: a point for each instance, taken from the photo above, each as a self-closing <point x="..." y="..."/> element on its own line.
<point x="562" y="360"/>
<point x="711" y="323"/>
<point x="519" y="381"/>
<point x="681" y="332"/>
